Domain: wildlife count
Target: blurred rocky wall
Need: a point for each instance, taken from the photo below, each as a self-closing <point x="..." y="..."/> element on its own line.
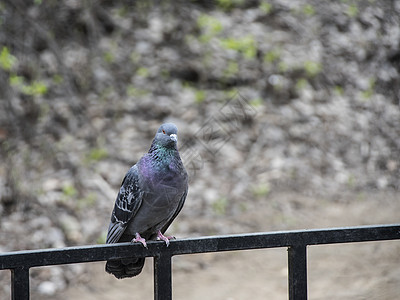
<point x="268" y="96"/>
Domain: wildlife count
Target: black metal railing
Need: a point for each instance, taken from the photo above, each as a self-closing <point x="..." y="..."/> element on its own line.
<point x="296" y="241"/>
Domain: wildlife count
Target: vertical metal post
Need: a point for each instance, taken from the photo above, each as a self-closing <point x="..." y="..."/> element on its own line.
<point x="162" y="277"/>
<point x="20" y="283"/>
<point x="297" y="264"/>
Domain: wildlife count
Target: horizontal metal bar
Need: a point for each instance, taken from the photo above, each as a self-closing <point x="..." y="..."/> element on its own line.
<point x="91" y="253"/>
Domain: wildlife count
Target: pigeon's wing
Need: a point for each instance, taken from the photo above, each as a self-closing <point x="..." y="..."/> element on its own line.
<point x="176" y="213"/>
<point x="126" y="205"/>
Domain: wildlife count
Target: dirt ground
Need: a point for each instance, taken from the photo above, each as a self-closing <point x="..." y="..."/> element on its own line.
<point x="350" y="271"/>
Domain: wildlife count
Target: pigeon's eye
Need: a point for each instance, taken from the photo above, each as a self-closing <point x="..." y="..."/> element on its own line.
<point x="163" y="131"/>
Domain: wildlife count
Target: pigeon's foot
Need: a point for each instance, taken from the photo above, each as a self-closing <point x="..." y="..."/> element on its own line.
<point x="161" y="237"/>
<point x="139" y="239"/>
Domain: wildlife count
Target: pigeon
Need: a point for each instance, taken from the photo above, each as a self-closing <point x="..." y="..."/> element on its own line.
<point x="152" y="194"/>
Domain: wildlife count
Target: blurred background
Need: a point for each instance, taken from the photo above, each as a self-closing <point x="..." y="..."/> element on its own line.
<point x="288" y="114"/>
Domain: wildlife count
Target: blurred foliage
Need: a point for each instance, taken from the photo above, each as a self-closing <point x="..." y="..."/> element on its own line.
<point x="301" y="84"/>
<point x="143" y="72"/>
<point x="256" y="102"/>
<point x="97" y="154"/>
<point x="210" y="27"/>
<point x="283" y="66"/>
<point x="135" y="57"/>
<point x="352" y="10"/>
<point x="245" y="45"/>
<point x="219" y="206"/>
<point x="262" y="190"/>
<point x="312" y="68"/>
<point x="87" y="201"/>
<point x="58" y="79"/>
<point x="133" y="91"/>
<point x="338" y="90"/>
<point x="266" y="7"/>
<point x="272" y="56"/>
<point x="232" y="69"/>
<point x="7" y="61"/>
<point x="367" y="94"/>
<point x="36" y="88"/>
<point x="109" y="57"/>
<point x="229" y="4"/>
<point x="308" y="10"/>
<point x="200" y="96"/>
<point x="351" y="181"/>
<point x="69" y="190"/>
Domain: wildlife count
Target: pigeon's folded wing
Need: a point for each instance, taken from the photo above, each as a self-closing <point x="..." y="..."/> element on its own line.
<point x="176" y="213"/>
<point x="126" y="206"/>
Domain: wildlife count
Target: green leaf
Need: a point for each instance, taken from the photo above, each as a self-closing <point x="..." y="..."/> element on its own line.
<point x="301" y="84"/>
<point x="58" y="79"/>
<point x="266" y="7"/>
<point x="7" y="61"/>
<point x="338" y="90"/>
<point x="272" y="56"/>
<point x="209" y="24"/>
<point x="308" y="10"/>
<point x="256" y="102"/>
<point x="143" y="72"/>
<point x="229" y="4"/>
<point x="200" y="96"/>
<point x="69" y="190"/>
<point x="352" y="11"/>
<point x="232" y="69"/>
<point x="97" y="154"/>
<point x="245" y="45"/>
<point x="109" y="57"/>
<point x="135" y="92"/>
<point x="219" y="206"/>
<point x="16" y="81"/>
<point x="36" y="88"/>
<point x="261" y="190"/>
<point x="312" y="68"/>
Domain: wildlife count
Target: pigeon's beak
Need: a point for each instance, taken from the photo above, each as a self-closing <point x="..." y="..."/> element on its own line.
<point x="174" y="137"/>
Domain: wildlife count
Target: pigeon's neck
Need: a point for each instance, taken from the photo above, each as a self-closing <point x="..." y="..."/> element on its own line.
<point x="162" y="163"/>
<point x="156" y="148"/>
<point x="162" y="157"/>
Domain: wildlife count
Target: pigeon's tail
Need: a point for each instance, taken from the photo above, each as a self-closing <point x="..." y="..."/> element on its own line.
<point x="124" y="268"/>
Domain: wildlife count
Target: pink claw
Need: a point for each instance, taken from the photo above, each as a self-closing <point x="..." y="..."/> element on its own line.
<point x="139" y="239"/>
<point x="161" y="237"/>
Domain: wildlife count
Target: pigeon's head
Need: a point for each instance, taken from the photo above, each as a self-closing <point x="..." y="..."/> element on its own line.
<point x="167" y="135"/>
